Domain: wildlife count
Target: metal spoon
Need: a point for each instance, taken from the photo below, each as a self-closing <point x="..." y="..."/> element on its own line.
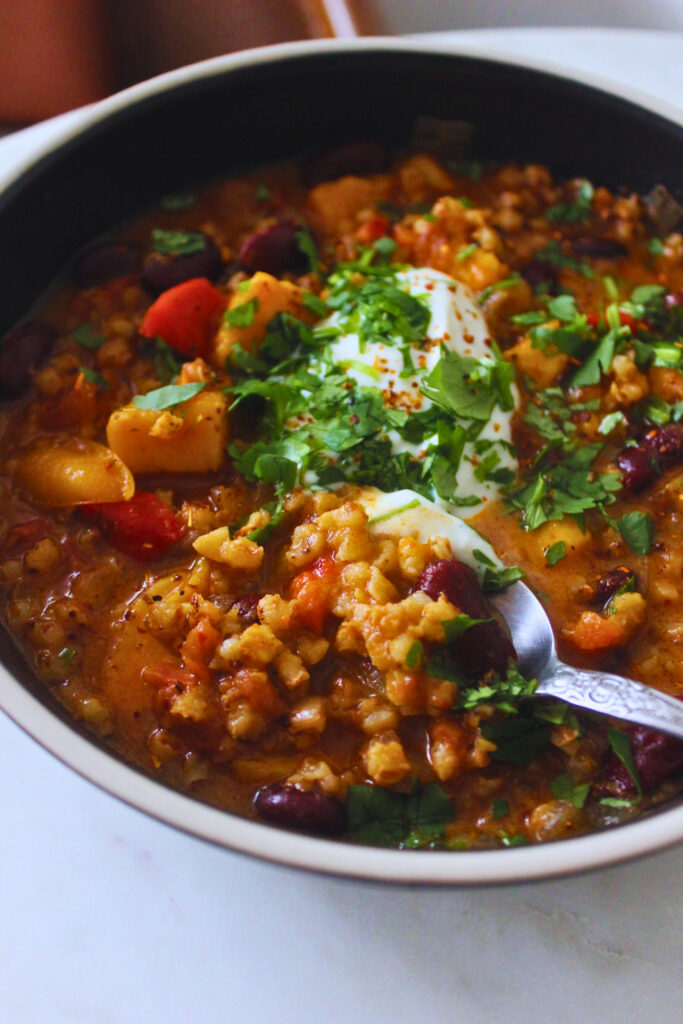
<point x="604" y="692"/>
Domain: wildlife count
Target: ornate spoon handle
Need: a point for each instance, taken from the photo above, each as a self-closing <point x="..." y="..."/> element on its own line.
<point x="612" y="695"/>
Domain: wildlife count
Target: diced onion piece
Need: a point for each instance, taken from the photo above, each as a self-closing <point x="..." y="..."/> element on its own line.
<point x="66" y="471"/>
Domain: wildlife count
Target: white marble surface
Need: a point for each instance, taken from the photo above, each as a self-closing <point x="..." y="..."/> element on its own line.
<point x="107" y="917"/>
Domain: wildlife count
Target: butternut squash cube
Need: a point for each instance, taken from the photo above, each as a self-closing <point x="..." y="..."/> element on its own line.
<point x="567" y="530"/>
<point x="544" y="367"/>
<point x="270" y="296"/>
<point x="190" y="438"/>
<point x="338" y="203"/>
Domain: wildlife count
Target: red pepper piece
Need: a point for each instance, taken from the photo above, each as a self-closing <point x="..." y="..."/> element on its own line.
<point x="186" y="316"/>
<point x="312" y="590"/>
<point x="142" y="527"/>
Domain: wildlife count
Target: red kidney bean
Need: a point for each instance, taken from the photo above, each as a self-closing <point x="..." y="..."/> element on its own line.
<point x="656" y="756"/>
<point x="105" y="261"/>
<point x="306" y="810"/>
<point x="247" y="607"/>
<point x="358" y="157"/>
<point x="21" y="352"/>
<point x="611" y="583"/>
<point x="665" y="443"/>
<point x="537" y="274"/>
<point x="598" y="248"/>
<point x="673" y="300"/>
<point x="637" y="471"/>
<point x="482" y="647"/>
<point x="273" y="249"/>
<point x="660" y="448"/>
<point x="161" y="271"/>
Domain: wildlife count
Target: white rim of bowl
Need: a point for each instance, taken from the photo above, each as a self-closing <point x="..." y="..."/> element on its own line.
<point x="569" y="856"/>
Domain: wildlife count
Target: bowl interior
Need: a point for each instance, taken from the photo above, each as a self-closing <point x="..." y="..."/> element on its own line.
<point x="215" y="123"/>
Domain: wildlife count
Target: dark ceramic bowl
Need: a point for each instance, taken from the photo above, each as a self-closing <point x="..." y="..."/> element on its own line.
<point x="230" y="113"/>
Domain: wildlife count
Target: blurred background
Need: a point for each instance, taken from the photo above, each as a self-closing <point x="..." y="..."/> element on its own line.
<point x="60" y="54"/>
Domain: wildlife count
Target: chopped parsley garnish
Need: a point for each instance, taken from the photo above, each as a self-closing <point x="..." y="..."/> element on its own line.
<point x="168" y="396"/>
<point x="554" y="255"/>
<point x="322" y="421"/>
<point x="502" y="691"/>
<point x="306" y="243"/>
<point x="638" y="530"/>
<point x="576" y="211"/>
<point x="518" y="740"/>
<point x="467" y="251"/>
<point x="166" y="365"/>
<point x="415" y="655"/>
<point x="177" y="243"/>
<point x="555" y="553"/>
<point x="563" y="787"/>
<point x="241" y="315"/>
<point x="469" y="387"/>
<point x="87" y="336"/>
<point x="499" y="809"/>
<point x="621" y="745"/>
<point x="94" y="377"/>
<point x="383" y="817"/>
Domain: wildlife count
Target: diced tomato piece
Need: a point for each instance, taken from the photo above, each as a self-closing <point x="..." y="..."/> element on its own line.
<point x="199" y="646"/>
<point x="372" y="229"/>
<point x="186" y="316"/>
<point x="312" y="589"/>
<point x="142" y="527"/>
<point x="625" y="319"/>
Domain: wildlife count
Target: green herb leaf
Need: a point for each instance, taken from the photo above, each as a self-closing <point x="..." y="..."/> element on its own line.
<point x="415" y="503"/>
<point x="466" y="252"/>
<point x="513" y="839"/>
<point x="306" y="243"/>
<point x="638" y="530"/>
<point x="87" y="336"/>
<point x="454" y="628"/>
<point x="470" y="387"/>
<point x="563" y="308"/>
<point x="499" y="809"/>
<point x="415" y="655"/>
<point x="241" y="315"/>
<point x="610" y="421"/>
<point x="384" y="817"/>
<point x="563" y="787"/>
<point x="166" y="366"/>
<point x="494" y="580"/>
<point x="315" y="304"/>
<point x="621" y="745"/>
<point x="166" y="397"/>
<point x="504" y="692"/>
<point x="555" y="553"/>
<point x="94" y="377"/>
<point x="518" y="740"/>
<point x="177" y="243"/>
<point x="576" y="211"/>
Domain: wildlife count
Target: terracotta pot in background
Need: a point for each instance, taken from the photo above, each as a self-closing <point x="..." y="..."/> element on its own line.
<point x="56" y="56"/>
